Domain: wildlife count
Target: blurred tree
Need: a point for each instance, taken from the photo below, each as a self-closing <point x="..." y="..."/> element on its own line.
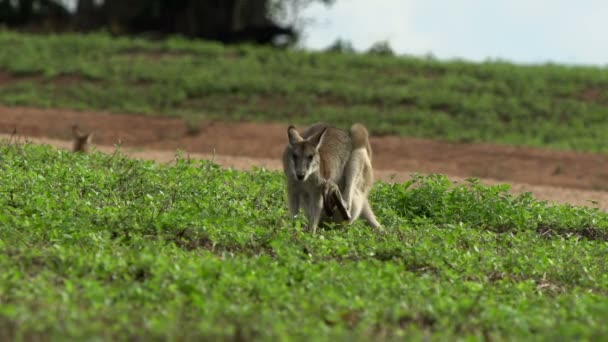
<point x="341" y="46"/>
<point x="25" y="12"/>
<point x="290" y="11"/>
<point x="382" y="48"/>
<point x="224" y="20"/>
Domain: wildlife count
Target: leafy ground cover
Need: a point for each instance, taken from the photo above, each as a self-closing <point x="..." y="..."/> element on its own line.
<point x="545" y="105"/>
<point x="103" y="246"/>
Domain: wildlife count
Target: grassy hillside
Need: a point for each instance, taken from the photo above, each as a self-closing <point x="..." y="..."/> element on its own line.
<point x="550" y="105"/>
<point x="104" y="246"/>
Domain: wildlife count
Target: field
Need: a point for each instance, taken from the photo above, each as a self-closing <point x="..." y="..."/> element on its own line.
<point x="554" y="106"/>
<point x="105" y="246"/>
<point x="101" y="246"/>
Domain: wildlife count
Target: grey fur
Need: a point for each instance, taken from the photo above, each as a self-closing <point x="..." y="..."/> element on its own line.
<point x="324" y="155"/>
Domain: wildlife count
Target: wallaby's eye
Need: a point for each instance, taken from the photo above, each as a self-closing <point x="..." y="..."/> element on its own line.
<point x="294" y="156"/>
<point x="310" y="157"/>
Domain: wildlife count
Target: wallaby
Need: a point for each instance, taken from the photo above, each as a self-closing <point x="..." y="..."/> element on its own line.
<point x="326" y="167"/>
<point x="81" y="140"/>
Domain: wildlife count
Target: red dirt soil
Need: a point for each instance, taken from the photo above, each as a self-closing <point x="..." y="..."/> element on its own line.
<point x="565" y="177"/>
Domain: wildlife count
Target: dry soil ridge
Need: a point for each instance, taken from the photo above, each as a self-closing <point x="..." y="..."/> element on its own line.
<point x="563" y="177"/>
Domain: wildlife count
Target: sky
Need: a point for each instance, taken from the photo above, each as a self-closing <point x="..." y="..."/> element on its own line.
<point x="519" y="31"/>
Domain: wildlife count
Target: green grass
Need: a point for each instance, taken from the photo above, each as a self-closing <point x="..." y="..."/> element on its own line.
<point x="546" y="105"/>
<point x="103" y="246"/>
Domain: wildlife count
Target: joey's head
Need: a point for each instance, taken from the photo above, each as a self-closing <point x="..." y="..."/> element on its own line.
<point x="304" y="158"/>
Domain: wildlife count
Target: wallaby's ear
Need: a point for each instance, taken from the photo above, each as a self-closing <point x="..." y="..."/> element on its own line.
<point x="317" y="139"/>
<point x="89" y="138"/>
<point x="75" y="131"/>
<point x="294" y="136"/>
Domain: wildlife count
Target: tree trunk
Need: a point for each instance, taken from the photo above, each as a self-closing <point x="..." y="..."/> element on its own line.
<point x="88" y="16"/>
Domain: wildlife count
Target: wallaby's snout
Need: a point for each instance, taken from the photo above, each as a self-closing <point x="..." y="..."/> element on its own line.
<point x="304" y="162"/>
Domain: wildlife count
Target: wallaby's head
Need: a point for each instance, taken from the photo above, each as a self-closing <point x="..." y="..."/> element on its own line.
<point x="81" y="140"/>
<point x="304" y="156"/>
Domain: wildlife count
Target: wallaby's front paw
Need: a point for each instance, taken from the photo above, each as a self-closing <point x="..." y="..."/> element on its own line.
<point x="332" y="199"/>
<point x="328" y="202"/>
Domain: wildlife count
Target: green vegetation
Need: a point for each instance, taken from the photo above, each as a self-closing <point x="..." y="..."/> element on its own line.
<point x="99" y="245"/>
<point x="549" y="105"/>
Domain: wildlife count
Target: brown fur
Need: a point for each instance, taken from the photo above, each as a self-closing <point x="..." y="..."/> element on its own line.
<point x="360" y="138"/>
<point x="81" y="140"/>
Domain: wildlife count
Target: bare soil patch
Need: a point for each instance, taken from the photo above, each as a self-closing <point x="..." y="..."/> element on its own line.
<point x="10" y="78"/>
<point x="592" y="94"/>
<point x="7" y="78"/>
<point x="561" y="176"/>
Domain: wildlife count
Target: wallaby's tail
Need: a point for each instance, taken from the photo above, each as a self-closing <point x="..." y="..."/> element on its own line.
<point x="360" y="138"/>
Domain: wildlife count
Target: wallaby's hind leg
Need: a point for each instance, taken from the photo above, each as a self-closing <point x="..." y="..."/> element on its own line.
<point x="352" y="172"/>
<point x="368" y="215"/>
<point x="356" y="207"/>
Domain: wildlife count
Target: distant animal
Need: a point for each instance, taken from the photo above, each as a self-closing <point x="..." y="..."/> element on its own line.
<point x="328" y="168"/>
<point x="81" y="140"/>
